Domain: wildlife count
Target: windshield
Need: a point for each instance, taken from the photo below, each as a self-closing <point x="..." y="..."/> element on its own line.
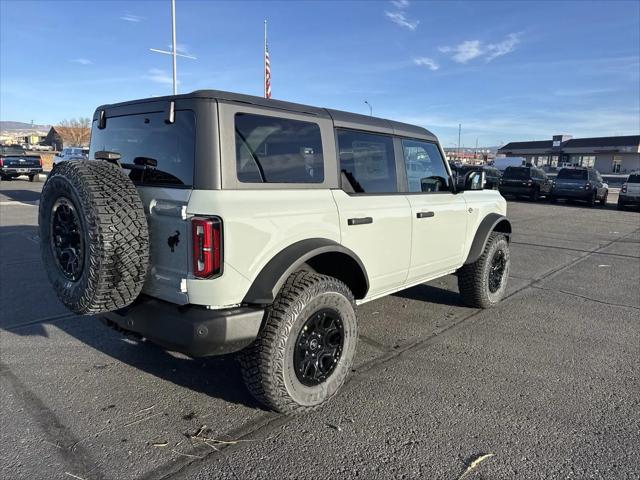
<point x="572" y="174"/>
<point x="148" y="136"/>
<point x="635" y="178"/>
<point x="516" y="172"/>
<point x="11" y="150"/>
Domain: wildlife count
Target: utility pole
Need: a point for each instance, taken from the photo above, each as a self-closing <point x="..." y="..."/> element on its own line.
<point x="370" y="108"/>
<point x="475" y="151"/>
<point x="173" y="51"/>
<point x="459" y="133"/>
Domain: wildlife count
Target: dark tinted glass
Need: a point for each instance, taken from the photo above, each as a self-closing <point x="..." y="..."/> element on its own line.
<point x="425" y="168"/>
<point x="148" y="136"/>
<point x="367" y="161"/>
<point x="516" y="173"/>
<point x="12" y="150"/>
<point x="635" y="178"/>
<point x="573" y="174"/>
<point x="277" y="150"/>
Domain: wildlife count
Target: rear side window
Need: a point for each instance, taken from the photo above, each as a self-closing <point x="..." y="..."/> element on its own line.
<point x="573" y="174"/>
<point x="367" y="162"/>
<point x="277" y="150"/>
<point x="517" y="173"/>
<point x="148" y="136"/>
<point x="635" y="178"/>
<point x="425" y="168"/>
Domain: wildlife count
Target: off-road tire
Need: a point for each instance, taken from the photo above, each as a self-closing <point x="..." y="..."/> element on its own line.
<point x="268" y="364"/>
<point x="34" y="178"/>
<point x="620" y="206"/>
<point x="113" y="228"/>
<point x="473" y="279"/>
<point x="535" y="196"/>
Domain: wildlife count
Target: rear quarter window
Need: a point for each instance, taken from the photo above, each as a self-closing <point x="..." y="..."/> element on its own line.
<point x="517" y="173"/>
<point x="277" y="150"/>
<point x="147" y="135"/>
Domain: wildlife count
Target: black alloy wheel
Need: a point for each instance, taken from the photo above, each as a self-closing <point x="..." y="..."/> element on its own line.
<point x="496" y="271"/>
<point x="67" y="239"/>
<point x="319" y="347"/>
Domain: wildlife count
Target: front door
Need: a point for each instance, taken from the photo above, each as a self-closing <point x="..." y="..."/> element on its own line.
<point x="375" y="219"/>
<point x="438" y="216"/>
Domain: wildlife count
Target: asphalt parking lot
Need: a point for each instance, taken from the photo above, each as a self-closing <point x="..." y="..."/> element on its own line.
<point x="546" y="385"/>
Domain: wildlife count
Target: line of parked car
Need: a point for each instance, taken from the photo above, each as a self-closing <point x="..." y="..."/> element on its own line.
<point x="572" y="183"/>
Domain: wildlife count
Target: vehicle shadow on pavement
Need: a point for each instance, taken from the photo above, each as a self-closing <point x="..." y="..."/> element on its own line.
<point x="217" y="377"/>
<point x="21" y="195"/>
<point x="432" y="294"/>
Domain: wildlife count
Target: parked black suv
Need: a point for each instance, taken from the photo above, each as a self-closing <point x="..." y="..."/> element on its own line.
<point x="527" y="181"/>
<point x="492" y="175"/>
<point x="580" y="183"/>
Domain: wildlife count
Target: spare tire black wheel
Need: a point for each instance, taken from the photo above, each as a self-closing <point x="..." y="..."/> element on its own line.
<point x="94" y="236"/>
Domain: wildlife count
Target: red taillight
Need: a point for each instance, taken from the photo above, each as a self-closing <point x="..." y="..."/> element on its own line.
<point x="622" y="190"/>
<point x="40" y="160"/>
<point x="1" y="162"/>
<point x="206" y="234"/>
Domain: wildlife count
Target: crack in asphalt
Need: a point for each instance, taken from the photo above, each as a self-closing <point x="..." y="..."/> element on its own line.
<point x="572" y="294"/>
<point x="56" y="433"/>
<point x="555" y="247"/>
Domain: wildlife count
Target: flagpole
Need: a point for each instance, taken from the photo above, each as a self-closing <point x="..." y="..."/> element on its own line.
<point x="173" y="44"/>
<point x="264" y="58"/>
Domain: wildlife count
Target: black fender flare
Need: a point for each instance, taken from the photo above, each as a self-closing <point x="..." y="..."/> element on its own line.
<point x="490" y="223"/>
<point x="267" y="284"/>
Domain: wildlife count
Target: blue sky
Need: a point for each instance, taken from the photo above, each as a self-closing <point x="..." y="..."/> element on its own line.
<point x="505" y="70"/>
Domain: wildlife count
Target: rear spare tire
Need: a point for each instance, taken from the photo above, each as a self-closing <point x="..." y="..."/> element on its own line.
<point x="94" y="237"/>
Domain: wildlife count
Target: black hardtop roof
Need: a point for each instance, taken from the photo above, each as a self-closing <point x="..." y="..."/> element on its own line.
<point x="339" y="117"/>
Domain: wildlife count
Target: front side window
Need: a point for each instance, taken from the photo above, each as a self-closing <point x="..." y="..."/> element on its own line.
<point x="151" y="150"/>
<point x="367" y="162"/>
<point x="277" y="150"/>
<point x="425" y="167"/>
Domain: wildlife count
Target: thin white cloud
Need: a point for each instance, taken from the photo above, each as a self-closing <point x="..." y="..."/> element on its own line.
<point x="464" y="52"/>
<point x="82" y="61"/>
<point x="471" y="49"/>
<point x="128" y="17"/>
<point x="400" y="4"/>
<point x="399" y="17"/>
<point x="160" y="76"/>
<point x="426" y="62"/>
<point x="508" y="45"/>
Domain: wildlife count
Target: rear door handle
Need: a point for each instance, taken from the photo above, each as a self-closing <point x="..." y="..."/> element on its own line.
<point x="359" y="221"/>
<point x="425" y="214"/>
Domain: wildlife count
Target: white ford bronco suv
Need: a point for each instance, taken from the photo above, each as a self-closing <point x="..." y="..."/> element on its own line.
<point x="214" y="222"/>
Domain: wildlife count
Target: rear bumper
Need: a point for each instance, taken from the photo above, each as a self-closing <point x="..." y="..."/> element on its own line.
<point x="15" y="172"/>
<point x="629" y="199"/>
<point x="190" y="329"/>
<point x="515" y="190"/>
<point x="577" y="194"/>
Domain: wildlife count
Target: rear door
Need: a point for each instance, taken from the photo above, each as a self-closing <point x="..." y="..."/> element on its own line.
<point x="164" y="189"/>
<point x="438" y="216"/>
<point x="375" y="217"/>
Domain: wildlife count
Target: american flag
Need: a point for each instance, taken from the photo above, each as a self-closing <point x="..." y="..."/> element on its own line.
<point x="267" y="73"/>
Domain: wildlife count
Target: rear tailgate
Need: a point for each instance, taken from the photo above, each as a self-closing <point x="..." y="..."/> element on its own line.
<point x="169" y="239"/>
<point x="21" y="162"/>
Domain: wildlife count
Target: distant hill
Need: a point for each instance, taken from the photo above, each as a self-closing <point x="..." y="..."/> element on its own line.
<point x="8" y="126"/>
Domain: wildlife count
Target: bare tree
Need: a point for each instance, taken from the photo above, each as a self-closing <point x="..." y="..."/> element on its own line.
<point x="75" y="132"/>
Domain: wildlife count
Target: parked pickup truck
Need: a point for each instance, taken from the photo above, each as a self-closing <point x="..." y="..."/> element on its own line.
<point x="14" y="162"/>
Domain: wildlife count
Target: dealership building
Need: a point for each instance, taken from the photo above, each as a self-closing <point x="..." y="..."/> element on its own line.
<point x="605" y="154"/>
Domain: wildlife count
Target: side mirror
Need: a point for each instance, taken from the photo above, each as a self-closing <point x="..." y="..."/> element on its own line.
<point x="475" y="180"/>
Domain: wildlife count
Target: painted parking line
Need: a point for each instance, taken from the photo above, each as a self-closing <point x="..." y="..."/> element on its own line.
<point x="15" y="203"/>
